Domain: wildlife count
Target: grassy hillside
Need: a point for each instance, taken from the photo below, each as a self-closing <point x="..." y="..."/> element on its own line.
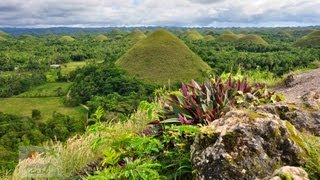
<point x="137" y="35"/>
<point x="252" y="39"/>
<point x="66" y="39"/>
<point x="310" y="40"/>
<point x="3" y="34"/>
<point x="228" y="36"/>
<point x="162" y="57"/>
<point x="209" y="38"/>
<point x="48" y="90"/>
<point x="24" y="107"/>
<point x="101" y="38"/>
<point x="3" y="38"/>
<point x="193" y="35"/>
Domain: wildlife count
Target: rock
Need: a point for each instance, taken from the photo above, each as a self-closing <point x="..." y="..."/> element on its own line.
<point x="312" y="100"/>
<point x="295" y="173"/>
<point x="244" y="145"/>
<point x="304" y="119"/>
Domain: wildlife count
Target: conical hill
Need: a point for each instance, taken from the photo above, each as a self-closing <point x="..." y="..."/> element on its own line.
<point x="162" y="57"/>
<point x="252" y="39"/>
<point x="310" y="40"/>
<point x="101" y="38"/>
<point x="137" y="35"/>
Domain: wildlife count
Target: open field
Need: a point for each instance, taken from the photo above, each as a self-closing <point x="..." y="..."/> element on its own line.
<point x="71" y="66"/>
<point x="24" y="107"/>
<point x="47" y="90"/>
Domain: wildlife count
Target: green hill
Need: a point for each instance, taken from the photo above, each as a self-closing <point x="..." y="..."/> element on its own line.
<point x="310" y="40"/>
<point x="101" y="38"/>
<point x="66" y="39"/>
<point x="162" y="57"/>
<point x="4" y="34"/>
<point x="3" y="39"/>
<point x="137" y="35"/>
<point x="228" y="38"/>
<point x="193" y="35"/>
<point x="252" y="39"/>
<point x="209" y="38"/>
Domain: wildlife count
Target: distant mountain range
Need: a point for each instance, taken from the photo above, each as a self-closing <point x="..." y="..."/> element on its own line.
<point x="72" y="30"/>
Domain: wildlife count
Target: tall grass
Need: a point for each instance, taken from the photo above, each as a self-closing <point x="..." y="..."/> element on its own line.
<point x="62" y="160"/>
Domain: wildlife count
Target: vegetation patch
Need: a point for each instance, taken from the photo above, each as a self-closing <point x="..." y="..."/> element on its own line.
<point x="162" y="58"/>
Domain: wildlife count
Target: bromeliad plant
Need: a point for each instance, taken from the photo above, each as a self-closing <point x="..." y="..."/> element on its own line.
<point x="202" y="104"/>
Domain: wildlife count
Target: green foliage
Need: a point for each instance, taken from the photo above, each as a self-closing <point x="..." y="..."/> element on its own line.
<point x="109" y="87"/>
<point x="162" y="49"/>
<point x="17" y="131"/>
<point x="36" y="114"/>
<point x="13" y="84"/>
<point x="137" y="169"/>
<point x="206" y="102"/>
<point x="175" y="159"/>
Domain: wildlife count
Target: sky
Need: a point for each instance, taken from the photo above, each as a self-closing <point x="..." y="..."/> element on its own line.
<point x="187" y="13"/>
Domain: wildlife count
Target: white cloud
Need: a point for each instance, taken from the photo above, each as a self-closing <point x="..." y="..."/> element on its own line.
<point x="155" y="12"/>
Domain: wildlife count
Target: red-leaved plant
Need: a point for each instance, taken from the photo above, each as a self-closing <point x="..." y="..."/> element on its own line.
<point x="206" y="102"/>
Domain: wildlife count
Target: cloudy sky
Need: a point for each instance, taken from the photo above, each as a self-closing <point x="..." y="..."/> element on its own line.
<point x="216" y="13"/>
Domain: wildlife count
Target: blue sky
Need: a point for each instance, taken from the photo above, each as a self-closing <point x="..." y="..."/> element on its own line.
<point x="103" y="13"/>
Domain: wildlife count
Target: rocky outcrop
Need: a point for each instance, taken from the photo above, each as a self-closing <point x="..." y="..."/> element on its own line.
<point x="305" y="116"/>
<point x="289" y="172"/>
<point x="245" y="144"/>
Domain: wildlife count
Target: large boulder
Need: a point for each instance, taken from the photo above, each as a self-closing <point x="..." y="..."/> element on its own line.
<point x="245" y="145"/>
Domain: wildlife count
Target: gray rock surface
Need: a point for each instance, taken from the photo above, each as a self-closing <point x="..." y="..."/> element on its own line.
<point x="244" y="145"/>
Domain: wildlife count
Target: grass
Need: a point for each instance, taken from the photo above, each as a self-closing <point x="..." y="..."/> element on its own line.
<point x="71" y="66"/>
<point x="161" y="58"/>
<point x="70" y="157"/>
<point x="310" y="40"/>
<point x="252" y="39"/>
<point x="24" y="107"/>
<point x="47" y="90"/>
<point x="62" y="160"/>
<point x="310" y="146"/>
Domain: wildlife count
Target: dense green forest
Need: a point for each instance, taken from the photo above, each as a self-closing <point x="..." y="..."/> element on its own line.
<point x="75" y="74"/>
